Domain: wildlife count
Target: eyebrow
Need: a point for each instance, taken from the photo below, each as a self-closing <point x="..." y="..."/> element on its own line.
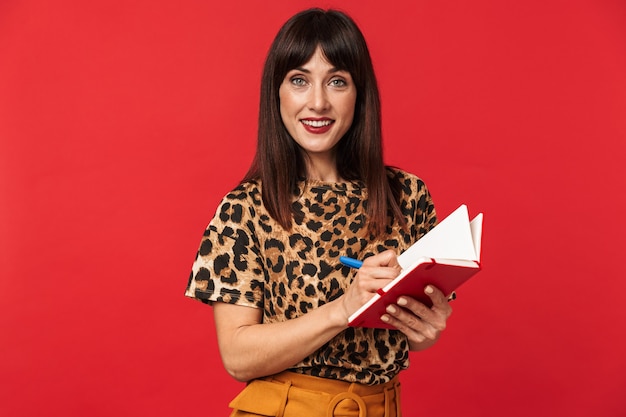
<point x="330" y="71"/>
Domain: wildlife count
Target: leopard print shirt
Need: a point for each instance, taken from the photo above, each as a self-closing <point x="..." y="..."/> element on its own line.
<point x="247" y="258"/>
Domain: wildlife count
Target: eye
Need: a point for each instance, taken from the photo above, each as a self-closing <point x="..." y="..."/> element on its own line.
<point x="297" y="81"/>
<point x="338" y="82"/>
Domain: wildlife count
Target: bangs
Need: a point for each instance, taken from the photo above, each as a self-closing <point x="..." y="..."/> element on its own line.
<point x="331" y="33"/>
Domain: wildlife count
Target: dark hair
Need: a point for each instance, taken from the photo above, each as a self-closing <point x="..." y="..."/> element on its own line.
<point x="278" y="161"/>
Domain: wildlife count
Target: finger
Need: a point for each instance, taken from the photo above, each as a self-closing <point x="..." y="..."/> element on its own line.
<point x="437" y="297"/>
<point x="371" y="284"/>
<point x="440" y="301"/>
<point x="387" y="258"/>
<point x="412" y="326"/>
<point x="436" y="316"/>
<point x="417" y="308"/>
<point x="376" y="277"/>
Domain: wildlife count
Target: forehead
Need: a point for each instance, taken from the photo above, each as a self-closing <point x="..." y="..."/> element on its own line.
<point x="319" y="62"/>
<point x="318" y="59"/>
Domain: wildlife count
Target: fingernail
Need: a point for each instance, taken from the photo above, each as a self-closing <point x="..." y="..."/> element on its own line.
<point x="428" y="289"/>
<point x="385" y="318"/>
<point x="391" y="309"/>
<point x="402" y="301"/>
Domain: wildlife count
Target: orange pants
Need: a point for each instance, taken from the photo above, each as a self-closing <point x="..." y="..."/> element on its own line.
<point x="293" y="395"/>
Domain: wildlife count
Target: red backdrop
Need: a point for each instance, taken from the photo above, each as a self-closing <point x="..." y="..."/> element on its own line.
<point x="123" y="123"/>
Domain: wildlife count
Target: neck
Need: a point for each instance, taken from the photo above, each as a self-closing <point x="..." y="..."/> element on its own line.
<point x="323" y="176"/>
<point x="323" y="171"/>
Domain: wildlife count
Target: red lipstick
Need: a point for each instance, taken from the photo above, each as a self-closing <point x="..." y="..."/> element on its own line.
<point x="317" y="125"/>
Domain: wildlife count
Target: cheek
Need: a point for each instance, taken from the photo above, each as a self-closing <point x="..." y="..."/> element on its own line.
<point x="288" y="101"/>
<point x="349" y="108"/>
<point x="287" y="112"/>
<point x="284" y="108"/>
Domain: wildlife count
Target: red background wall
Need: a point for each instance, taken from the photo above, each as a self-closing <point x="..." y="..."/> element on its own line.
<point x="123" y="123"/>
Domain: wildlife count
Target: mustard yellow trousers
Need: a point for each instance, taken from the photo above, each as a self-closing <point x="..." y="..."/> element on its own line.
<point x="293" y="395"/>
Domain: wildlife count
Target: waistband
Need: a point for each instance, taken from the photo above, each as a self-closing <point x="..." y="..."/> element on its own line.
<point x="291" y="394"/>
<point x="330" y="386"/>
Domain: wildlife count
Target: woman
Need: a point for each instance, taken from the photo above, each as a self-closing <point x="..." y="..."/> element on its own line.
<point x="317" y="189"/>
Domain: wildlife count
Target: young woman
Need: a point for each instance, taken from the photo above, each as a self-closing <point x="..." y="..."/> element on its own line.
<point x="317" y="189"/>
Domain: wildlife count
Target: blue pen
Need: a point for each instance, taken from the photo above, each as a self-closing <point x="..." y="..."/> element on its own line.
<point x="352" y="263"/>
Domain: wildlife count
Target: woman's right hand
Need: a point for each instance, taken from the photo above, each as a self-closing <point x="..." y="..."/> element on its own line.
<point x="376" y="272"/>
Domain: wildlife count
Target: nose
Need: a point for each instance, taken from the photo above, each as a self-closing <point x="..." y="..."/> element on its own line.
<point x="318" y="99"/>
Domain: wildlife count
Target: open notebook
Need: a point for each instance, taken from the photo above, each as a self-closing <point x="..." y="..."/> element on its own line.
<point x="446" y="257"/>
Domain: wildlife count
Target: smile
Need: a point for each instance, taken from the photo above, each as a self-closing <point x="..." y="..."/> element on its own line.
<point x="317" y="123"/>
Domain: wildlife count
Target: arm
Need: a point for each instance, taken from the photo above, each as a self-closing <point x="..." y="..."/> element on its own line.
<point x="252" y="349"/>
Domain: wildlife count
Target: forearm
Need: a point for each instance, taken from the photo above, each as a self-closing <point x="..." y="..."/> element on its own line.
<point x="251" y="349"/>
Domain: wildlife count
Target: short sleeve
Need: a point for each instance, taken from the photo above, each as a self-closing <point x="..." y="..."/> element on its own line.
<point x="425" y="214"/>
<point x="227" y="267"/>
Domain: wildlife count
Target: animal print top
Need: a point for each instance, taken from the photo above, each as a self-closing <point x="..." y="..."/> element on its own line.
<point x="247" y="258"/>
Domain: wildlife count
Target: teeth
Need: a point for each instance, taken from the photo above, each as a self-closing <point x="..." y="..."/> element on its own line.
<point x="317" y="123"/>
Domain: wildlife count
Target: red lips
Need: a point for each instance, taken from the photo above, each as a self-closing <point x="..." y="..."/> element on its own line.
<point x="317" y="125"/>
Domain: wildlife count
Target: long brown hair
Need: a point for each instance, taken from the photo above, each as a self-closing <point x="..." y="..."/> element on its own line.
<point x="278" y="162"/>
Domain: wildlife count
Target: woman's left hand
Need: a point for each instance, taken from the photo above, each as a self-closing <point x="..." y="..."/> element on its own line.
<point x="422" y="325"/>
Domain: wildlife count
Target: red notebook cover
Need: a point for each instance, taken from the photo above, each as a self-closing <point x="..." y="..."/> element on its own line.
<point x="445" y="274"/>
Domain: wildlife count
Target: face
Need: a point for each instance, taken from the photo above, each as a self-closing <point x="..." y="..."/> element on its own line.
<point x="317" y="106"/>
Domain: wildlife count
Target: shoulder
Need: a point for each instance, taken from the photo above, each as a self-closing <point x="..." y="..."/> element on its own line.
<point x="410" y="184"/>
<point x="394" y="172"/>
<point x="248" y="191"/>
<point x="414" y="199"/>
<point x="240" y="205"/>
<point x="245" y="195"/>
